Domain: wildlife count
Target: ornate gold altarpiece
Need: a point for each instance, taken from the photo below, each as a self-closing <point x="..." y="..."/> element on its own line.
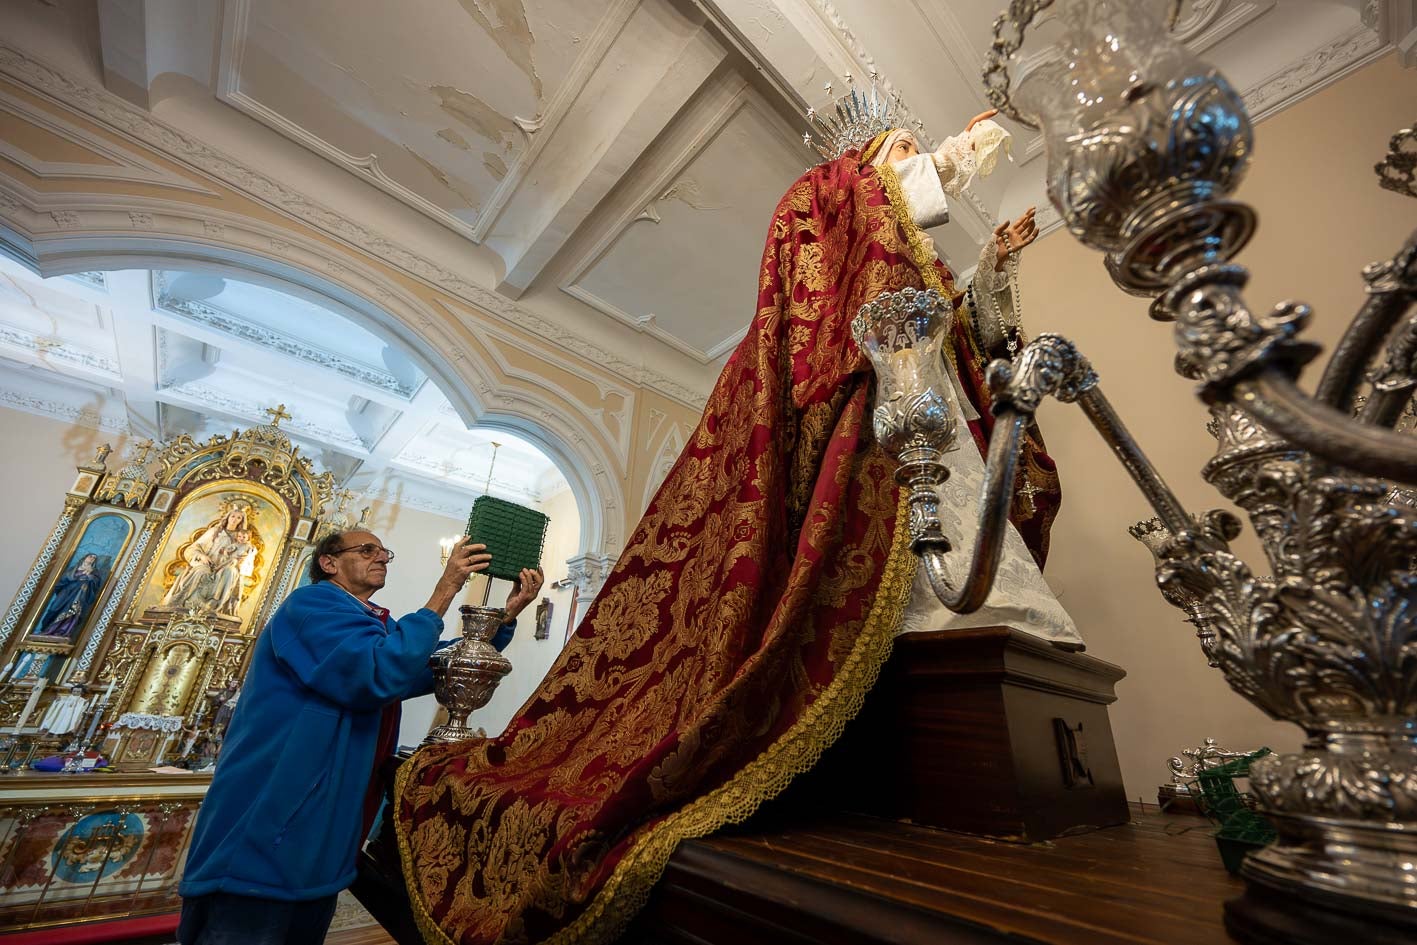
<point x="150" y="591"/>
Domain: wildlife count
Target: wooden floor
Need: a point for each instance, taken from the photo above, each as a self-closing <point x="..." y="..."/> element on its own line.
<point x="851" y="879"/>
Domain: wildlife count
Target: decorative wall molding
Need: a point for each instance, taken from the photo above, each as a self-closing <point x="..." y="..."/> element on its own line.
<point x="664" y="459"/>
<point x="1313" y="72"/>
<point x="618" y="438"/>
<point x="218" y="319"/>
<point x="127" y="119"/>
<point x="84" y="416"/>
<point x="583" y="457"/>
<point x="121" y="165"/>
<point x="45" y="349"/>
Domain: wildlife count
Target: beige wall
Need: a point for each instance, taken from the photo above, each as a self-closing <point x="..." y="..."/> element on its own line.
<point x="1322" y="218"/>
<point x="40" y="456"/>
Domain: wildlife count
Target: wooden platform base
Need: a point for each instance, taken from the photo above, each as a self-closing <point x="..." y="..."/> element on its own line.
<point x="987" y="731"/>
<point x="853" y="880"/>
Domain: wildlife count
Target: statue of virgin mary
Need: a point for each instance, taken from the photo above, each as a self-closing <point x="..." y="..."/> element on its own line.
<point x="209" y="567"/>
<point x="757" y="599"/>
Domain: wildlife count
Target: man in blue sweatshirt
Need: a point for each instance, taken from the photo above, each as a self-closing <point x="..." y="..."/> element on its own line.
<point x="280" y="827"/>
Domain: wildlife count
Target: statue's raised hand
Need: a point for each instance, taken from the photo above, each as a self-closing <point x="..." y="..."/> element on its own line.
<point x="1013" y="235"/>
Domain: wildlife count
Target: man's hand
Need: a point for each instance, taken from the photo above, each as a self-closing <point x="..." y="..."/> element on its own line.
<point x="464" y="560"/>
<point x="1020" y="233"/>
<point x="525" y="592"/>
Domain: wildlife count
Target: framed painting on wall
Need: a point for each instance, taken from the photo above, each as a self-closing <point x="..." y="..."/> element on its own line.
<point x="78" y="585"/>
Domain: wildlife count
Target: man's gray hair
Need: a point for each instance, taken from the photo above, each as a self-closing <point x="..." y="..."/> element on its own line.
<point x="327" y="545"/>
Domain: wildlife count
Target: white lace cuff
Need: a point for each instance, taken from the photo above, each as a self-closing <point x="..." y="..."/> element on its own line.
<point x="955" y="165"/>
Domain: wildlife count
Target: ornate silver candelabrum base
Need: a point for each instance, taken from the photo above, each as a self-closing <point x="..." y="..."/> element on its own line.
<point x="467" y="673"/>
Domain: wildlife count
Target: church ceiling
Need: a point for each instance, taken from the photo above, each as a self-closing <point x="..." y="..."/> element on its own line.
<point x="613" y="164"/>
<point x="165" y="352"/>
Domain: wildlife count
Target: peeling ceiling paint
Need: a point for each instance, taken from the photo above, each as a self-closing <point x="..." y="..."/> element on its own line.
<point x="453" y="138"/>
<point x="461" y="188"/>
<point x="477" y="115"/>
<point x="505" y="21"/>
<point x="494" y="164"/>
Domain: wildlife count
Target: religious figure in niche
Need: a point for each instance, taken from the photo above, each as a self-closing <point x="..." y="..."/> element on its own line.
<point x="218" y="561"/>
<point x="543" y="619"/>
<point x="74" y="593"/>
<point x="755" y="602"/>
<point x="71" y="601"/>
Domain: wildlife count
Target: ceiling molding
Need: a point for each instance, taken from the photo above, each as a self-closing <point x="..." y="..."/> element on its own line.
<point x="200" y="397"/>
<point x="1313" y="72"/>
<point x="227" y="323"/>
<point x="84" y="416"/>
<point x="236" y="16"/>
<point x="658" y="63"/>
<point x="835" y="29"/>
<point x="126" y="118"/>
<point x="1287" y="86"/>
<point x="50" y="353"/>
<point x="597" y="46"/>
<point x="124" y="166"/>
<point x="724" y="99"/>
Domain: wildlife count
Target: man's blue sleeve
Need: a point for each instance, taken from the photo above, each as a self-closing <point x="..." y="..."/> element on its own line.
<point x="504" y="633"/>
<point x="346" y="656"/>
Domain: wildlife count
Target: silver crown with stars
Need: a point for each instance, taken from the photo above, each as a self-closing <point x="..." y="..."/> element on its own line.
<point x="859" y="117"/>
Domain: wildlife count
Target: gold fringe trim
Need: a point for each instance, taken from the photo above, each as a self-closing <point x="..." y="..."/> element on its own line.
<point x="795" y="752"/>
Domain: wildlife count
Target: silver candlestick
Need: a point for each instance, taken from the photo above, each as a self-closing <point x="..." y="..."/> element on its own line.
<point x="467" y="673"/>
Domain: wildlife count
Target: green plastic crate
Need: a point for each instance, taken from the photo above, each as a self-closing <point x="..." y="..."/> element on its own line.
<point x="1241" y="828"/>
<point x="514" y="535"/>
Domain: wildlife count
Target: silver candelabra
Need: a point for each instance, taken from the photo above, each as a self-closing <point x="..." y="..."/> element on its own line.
<point x="1145" y="145"/>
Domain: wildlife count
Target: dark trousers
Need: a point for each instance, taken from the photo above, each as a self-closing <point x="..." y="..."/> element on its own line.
<point x="224" y="919"/>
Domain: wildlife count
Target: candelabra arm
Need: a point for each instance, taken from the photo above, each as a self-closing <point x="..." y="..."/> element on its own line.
<point x="999" y="472"/>
<point x="1115" y="433"/>
<point x="1048" y="365"/>
<point x="1250" y="360"/>
<point x="1274" y="401"/>
<point x="1392" y="288"/>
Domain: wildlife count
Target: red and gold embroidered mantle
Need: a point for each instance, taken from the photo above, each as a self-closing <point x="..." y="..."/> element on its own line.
<point x="740" y="630"/>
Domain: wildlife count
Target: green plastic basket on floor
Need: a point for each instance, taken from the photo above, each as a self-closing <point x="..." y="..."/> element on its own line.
<point x="1241" y="828"/>
<point x="514" y="535"/>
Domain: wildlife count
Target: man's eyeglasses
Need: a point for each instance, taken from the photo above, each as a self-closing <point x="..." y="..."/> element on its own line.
<point x="367" y="551"/>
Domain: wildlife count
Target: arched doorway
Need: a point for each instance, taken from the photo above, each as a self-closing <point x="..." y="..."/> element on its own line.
<point x="191" y="306"/>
